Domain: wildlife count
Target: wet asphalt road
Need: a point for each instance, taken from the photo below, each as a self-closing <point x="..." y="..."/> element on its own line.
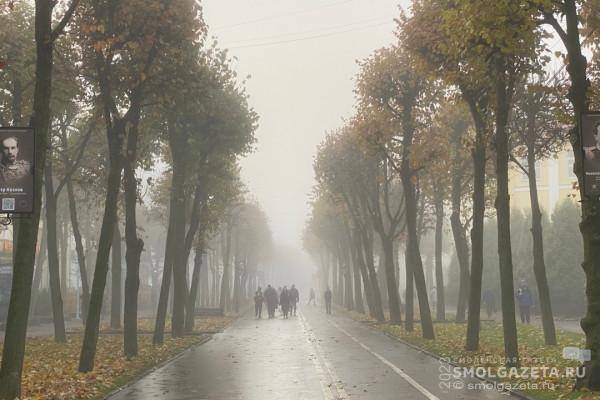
<point x="311" y="356"/>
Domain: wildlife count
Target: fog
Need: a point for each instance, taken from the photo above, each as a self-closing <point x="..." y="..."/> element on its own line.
<point x="301" y="58"/>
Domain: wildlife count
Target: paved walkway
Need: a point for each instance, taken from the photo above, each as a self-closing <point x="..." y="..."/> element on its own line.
<point x="311" y="356"/>
<point x="47" y="328"/>
<point x="567" y="325"/>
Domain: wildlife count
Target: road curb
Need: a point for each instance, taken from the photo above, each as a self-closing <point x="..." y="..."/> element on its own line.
<point x="156" y="367"/>
<point x="515" y="393"/>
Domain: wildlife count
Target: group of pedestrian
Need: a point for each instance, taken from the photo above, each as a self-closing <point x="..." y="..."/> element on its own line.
<point x="283" y="298"/>
<point x="524" y="297"/>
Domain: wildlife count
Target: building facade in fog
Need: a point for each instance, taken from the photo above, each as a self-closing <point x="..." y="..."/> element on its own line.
<point x="555" y="182"/>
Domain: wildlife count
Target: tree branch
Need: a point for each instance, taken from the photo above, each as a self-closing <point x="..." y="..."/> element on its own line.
<point x="514" y="159"/>
<point x="549" y="19"/>
<point x="58" y="30"/>
<point x="75" y="164"/>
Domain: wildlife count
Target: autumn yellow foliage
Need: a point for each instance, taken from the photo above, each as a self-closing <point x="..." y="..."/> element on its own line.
<point x="50" y="369"/>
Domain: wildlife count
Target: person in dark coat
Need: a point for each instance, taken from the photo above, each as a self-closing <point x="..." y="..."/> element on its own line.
<point x="328" y="295"/>
<point x="294" y="299"/>
<point x="258" y="302"/>
<point x="525" y="300"/>
<point x="271" y="299"/>
<point x="284" y="300"/>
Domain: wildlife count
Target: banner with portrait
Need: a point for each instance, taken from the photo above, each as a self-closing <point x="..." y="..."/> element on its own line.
<point x="16" y="170"/>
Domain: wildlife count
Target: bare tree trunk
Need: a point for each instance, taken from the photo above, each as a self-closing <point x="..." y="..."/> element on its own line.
<point x="13" y="349"/>
<point x="539" y="265"/>
<point x="348" y="295"/>
<point x="462" y="254"/>
<point x="458" y="232"/>
<point x="590" y="220"/>
<point x="416" y="266"/>
<point x="407" y="176"/>
<point x="194" y="224"/>
<point x="63" y="246"/>
<point x="236" y="286"/>
<point x="439" y="271"/>
<point x="39" y="265"/>
<point x="179" y="272"/>
<point x="191" y="300"/>
<point x="204" y="284"/>
<point x="502" y="204"/>
<point x="92" y="326"/>
<point x="116" y="279"/>
<point x="179" y="149"/>
<point x="367" y="245"/>
<point x="390" y="275"/>
<point x="163" y="300"/>
<point x="53" y="261"/>
<point x="382" y="279"/>
<point x="225" y="297"/>
<point x="85" y="286"/>
<point x="409" y="294"/>
<point x="358" y="298"/>
<point x="360" y="266"/>
<point x="474" y="319"/>
<point x="134" y="248"/>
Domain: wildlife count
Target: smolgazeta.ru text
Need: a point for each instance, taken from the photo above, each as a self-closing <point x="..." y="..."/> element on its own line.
<point x="543" y="372"/>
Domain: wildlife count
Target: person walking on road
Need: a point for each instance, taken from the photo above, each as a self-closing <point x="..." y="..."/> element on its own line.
<point x="271" y="299"/>
<point x="525" y="302"/>
<point x="312" y="297"/>
<point x="284" y="300"/>
<point x="294" y="299"/>
<point x="258" y="302"/>
<point x="328" y="296"/>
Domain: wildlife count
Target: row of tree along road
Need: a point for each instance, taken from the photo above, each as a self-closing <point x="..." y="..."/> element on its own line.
<point x="114" y="89"/>
<point x="439" y="118"/>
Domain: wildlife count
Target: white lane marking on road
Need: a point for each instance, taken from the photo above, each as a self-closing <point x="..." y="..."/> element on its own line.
<point x="397" y="370"/>
<point x="320" y="361"/>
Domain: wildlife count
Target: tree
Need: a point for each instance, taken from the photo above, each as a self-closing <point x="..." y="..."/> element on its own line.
<point x="218" y="187"/>
<point x="445" y="142"/>
<point x="426" y="36"/>
<point x="571" y="20"/>
<point x="344" y="171"/>
<point x="536" y="135"/>
<point x="495" y="54"/>
<point x="455" y="118"/>
<point x="67" y="114"/>
<point x="389" y="82"/>
<point x="208" y="123"/>
<point x="18" y="62"/>
<point x="124" y="56"/>
<point x="24" y="253"/>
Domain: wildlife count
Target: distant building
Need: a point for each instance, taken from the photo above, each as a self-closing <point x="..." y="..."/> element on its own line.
<point x="555" y="182"/>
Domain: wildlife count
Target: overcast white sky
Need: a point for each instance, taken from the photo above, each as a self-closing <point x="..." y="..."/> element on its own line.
<point x="301" y="55"/>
